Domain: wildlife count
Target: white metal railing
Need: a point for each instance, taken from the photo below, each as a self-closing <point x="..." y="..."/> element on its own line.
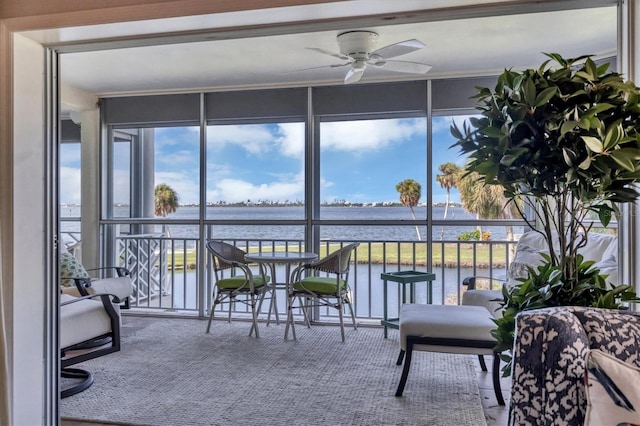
<point x="167" y="273"/>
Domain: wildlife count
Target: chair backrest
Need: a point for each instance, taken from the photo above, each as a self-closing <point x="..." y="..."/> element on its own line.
<point x="337" y="262"/>
<point x="225" y="255"/>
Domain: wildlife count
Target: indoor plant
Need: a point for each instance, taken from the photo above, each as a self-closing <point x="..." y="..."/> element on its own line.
<point x="565" y="141"/>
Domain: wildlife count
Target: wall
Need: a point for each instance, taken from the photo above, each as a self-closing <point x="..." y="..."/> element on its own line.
<point x="28" y="247"/>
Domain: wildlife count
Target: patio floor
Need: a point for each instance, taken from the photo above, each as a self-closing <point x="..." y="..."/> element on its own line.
<point x="494" y="414"/>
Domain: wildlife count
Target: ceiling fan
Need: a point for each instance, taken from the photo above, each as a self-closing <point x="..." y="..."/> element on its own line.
<point x="356" y="48"/>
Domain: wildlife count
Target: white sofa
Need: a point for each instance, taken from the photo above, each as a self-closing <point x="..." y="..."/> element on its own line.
<point x="601" y="248"/>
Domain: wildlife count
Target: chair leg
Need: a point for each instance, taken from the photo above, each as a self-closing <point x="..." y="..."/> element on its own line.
<point x="400" y="357"/>
<point x="483" y="365"/>
<point x="85" y="377"/>
<point x="340" y="314"/>
<point x="274" y="304"/>
<point x="290" y="300"/>
<point x="405" y="370"/>
<point x="496" y="378"/>
<point x="254" y="314"/>
<point x="211" y="314"/>
<point x="353" y="315"/>
<point x="305" y="307"/>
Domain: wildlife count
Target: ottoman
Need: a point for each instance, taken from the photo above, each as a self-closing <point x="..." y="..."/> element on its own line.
<point x="460" y="329"/>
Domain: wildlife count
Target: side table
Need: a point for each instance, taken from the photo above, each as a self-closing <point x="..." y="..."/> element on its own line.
<point x="404" y="278"/>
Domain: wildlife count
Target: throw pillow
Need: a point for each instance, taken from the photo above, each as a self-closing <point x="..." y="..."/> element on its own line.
<point x="70" y="267"/>
<point x="609" y="267"/>
<point x="612" y="389"/>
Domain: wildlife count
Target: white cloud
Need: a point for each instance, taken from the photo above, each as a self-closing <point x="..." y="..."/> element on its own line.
<point x="69" y="185"/>
<point x="179" y="158"/>
<point x="235" y="190"/>
<point x="369" y="134"/>
<point x="255" y="139"/>
<point x="291" y="139"/>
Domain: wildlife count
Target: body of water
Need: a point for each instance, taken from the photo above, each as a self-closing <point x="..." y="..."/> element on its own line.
<point x="296" y="232"/>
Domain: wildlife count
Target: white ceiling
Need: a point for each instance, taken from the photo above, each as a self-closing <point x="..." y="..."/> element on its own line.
<point x="262" y="48"/>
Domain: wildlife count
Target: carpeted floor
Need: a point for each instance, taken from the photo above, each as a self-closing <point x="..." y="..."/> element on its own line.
<point x="172" y="373"/>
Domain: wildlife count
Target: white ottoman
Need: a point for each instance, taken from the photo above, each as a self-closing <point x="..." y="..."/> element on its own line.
<point x="459" y="329"/>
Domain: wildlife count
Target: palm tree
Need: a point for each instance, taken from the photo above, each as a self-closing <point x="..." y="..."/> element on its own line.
<point x="410" y="193"/>
<point x="165" y="201"/>
<point x="447" y="180"/>
<point x="486" y="201"/>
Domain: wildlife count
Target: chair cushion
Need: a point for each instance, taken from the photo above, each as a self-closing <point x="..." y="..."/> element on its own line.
<point x="70" y="267"/>
<point x="325" y="285"/>
<point x="118" y="286"/>
<point x="464" y="322"/>
<point x="490" y="299"/>
<point x="239" y="281"/>
<point x="82" y="320"/>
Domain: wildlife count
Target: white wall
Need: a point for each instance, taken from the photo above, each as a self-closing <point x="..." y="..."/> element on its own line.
<point x="28" y="206"/>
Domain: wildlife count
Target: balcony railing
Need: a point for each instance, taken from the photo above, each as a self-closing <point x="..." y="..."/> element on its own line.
<point x="169" y="273"/>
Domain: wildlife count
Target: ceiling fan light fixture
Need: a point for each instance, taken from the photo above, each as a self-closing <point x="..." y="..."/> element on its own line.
<point x="357" y="42"/>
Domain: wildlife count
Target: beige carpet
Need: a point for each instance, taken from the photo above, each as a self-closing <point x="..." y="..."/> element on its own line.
<point x="172" y="373"/>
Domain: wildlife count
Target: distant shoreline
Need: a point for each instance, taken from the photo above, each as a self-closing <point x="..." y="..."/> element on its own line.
<point x="278" y="204"/>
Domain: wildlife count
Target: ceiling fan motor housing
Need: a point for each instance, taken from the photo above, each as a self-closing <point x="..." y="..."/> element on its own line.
<point x="357" y="44"/>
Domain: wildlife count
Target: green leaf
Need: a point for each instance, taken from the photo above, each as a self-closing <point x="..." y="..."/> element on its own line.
<point x="613" y="135"/>
<point x="604" y="214"/>
<point x="623" y="159"/>
<point x="544" y="96"/>
<point x="492" y="132"/>
<point x="594" y="144"/>
<point x="568" y="126"/>
<point x="569" y="157"/>
<point x="586" y="163"/>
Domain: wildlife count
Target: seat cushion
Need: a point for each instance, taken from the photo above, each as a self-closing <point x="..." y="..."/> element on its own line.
<point x="324" y="285"/>
<point x="118" y="286"/>
<point x="240" y="280"/>
<point x="490" y="299"/>
<point x="446" y="322"/>
<point x="82" y="320"/>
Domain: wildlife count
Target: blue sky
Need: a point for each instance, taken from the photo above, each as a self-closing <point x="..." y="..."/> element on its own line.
<point x="361" y="161"/>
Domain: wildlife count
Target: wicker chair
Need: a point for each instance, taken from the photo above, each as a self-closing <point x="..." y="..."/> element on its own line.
<point x="329" y="289"/>
<point x="242" y="285"/>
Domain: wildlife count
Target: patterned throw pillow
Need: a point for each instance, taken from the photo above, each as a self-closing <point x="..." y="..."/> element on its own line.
<point x="612" y="391"/>
<point x="70" y="267"/>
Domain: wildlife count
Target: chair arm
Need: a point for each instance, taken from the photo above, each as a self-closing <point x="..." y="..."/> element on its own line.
<point x="84" y="284"/>
<point x="297" y="272"/>
<point x="470" y="282"/>
<point x="120" y="271"/>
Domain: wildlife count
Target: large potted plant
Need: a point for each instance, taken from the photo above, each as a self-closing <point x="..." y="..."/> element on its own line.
<point x="563" y="141"/>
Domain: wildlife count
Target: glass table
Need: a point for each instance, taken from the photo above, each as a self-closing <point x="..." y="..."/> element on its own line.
<point x="287" y="258"/>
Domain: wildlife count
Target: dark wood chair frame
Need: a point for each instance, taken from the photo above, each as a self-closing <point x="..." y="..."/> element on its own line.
<point x="112" y="339"/>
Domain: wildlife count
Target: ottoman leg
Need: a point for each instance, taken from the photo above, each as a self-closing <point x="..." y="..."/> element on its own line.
<point x="405" y="370"/>
<point x="496" y="378"/>
<point x="483" y="365"/>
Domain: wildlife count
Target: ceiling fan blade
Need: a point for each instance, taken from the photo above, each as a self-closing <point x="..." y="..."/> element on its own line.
<point x="320" y="67"/>
<point x="397" y="49"/>
<point x="326" y="52"/>
<point x="353" y="75"/>
<point x="404" y="66"/>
